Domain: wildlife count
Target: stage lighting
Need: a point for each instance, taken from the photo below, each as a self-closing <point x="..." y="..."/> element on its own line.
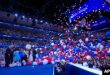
<point x="41" y="21"/>
<point x="46" y="22"/>
<point x="23" y="16"/>
<point x="36" y="20"/>
<point x="16" y="15"/>
<point x="108" y="1"/>
<point x="30" y="18"/>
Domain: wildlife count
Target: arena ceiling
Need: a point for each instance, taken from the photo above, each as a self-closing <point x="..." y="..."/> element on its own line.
<point x="49" y="10"/>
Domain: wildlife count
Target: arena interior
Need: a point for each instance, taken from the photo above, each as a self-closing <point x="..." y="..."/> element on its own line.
<point x="54" y="37"/>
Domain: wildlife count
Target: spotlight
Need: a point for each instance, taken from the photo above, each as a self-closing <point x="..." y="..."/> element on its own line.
<point x="23" y="16"/>
<point x="41" y="21"/>
<point x="16" y="15"/>
<point x="36" y="20"/>
<point x="46" y="22"/>
<point x="30" y="18"/>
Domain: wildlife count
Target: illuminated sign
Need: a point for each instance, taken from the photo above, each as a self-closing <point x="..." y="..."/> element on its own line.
<point x="100" y="23"/>
<point x="90" y="6"/>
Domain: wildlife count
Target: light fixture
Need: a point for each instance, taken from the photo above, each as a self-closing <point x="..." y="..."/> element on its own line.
<point x="23" y="16"/>
<point x="30" y="18"/>
<point x="41" y="21"/>
<point x="16" y="15"/>
<point x="36" y="20"/>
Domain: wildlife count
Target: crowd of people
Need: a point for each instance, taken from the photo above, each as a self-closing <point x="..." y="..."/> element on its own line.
<point x="90" y="49"/>
<point x="18" y="32"/>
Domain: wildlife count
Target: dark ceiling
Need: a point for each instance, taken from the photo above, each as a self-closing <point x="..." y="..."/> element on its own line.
<point x="48" y="10"/>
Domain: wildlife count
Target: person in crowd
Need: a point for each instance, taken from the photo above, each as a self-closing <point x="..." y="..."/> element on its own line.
<point x="16" y="56"/>
<point x="8" y="57"/>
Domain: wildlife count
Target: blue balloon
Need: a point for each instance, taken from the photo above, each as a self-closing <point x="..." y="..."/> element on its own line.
<point x="77" y="49"/>
<point x="62" y="57"/>
<point x="92" y="54"/>
<point x="56" y="57"/>
<point x="99" y="39"/>
<point x="107" y="34"/>
<point x="70" y="59"/>
<point x="108" y="54"/>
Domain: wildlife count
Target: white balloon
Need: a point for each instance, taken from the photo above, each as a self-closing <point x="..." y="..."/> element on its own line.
<point x="101" y="47"/>
<point x="63" y="60"/>
<point x="34" y="63"/>
<point x="108" y="51"/>
<point x="53" y="62"/>
<point x="80" y="40"/>
<point x="88" y="57"/>
<point x="55" y="52"/>
<point x="36" y="49"/>
<point x="86" y="39"/>
<point x="85" y="64"/>
<point x="92" y="35"/>
<point x="24" y="62"/>
<point x="14" y="64"/>
<point x="95" y="52"/>
<point x="52" y="44"/>
<point x="45" y="61"/>
<point x="64" y="46"/>
<point x="11" y="65"/>
<point x="28" y="46"/>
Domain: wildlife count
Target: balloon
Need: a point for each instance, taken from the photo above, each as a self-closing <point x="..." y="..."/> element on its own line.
<point x="85" y="64"/>
<point x="86" y="39"/>
<point x="34" y="63"/>
<point x="24" y="62"/>
<point x="70" y="59"/>
<point x="99" y="39"/>
<point x="63" y="60"/>
<point x="88" y="57"/>
<point x="92" y="35"/>
<point x="77" y="49"/>
<point x="80" y="40"/>
<point x="107" y="34"/>
<point x="45" y="61"/>
<point x="64" y="46"/>
<point x="108" y="53"/>
<point x="62" y="57"/>
<point x="53" y="62"/>
<point x="55" y="53"/>
<point x="11" y="65"/>
<point x="52" y="44"/>
<point x="55" y="45"/>
<point x="36" y="49"/>
<point x="28" y="46"/>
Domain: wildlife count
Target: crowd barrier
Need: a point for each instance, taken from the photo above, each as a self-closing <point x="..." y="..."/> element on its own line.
<point x="75" y="69"/>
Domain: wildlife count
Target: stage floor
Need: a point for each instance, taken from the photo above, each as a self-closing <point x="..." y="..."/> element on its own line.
<point x="28" y="70"/>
